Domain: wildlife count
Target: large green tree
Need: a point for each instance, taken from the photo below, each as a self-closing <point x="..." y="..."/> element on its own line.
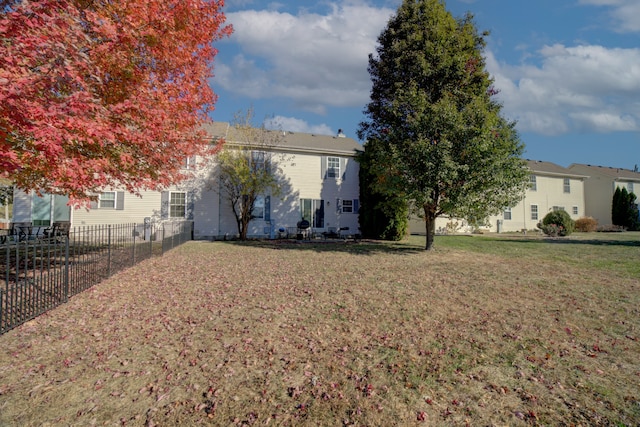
<point x="438" y="133"/>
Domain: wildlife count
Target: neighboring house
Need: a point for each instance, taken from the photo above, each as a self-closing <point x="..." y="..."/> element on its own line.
<point x="601" y="185"/>
<point x="319" y="176"/>
<point x="551" y="187"/>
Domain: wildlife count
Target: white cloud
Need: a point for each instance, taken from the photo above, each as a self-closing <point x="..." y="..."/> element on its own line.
<point x="293" y="124"/>
<point x="583" y="88"/>
<point x="625" y="13"/>
<point x="316" y="60"/>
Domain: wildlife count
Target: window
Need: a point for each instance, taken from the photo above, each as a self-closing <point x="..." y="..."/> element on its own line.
<point x="177" y="204"/>
<point x="630" y="187"/>
<point x="347" y="206"/>
<point x="333" y="167"/>
<point x="533" y="184"/>
<point x="534" y="212"/>
<point x="41" y="210"/>
<point x="189" y="163"/>
<point x="507" y="213"/>
<point x="258" y="160"/>
<point x="575" y="210"/>
<point x="313" y="211"/>
<point x="567" y="185"/>
<point x="6" y="203"/>
<point x="258" y="208"/>
<point x="557" y="208"/>
<point x="107" y="200"/>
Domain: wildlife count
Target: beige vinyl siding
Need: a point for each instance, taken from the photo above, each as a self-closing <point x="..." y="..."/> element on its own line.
<point x="550" y="192"/>
<point x="600" y="186"/>
<point x="135" y="209"/>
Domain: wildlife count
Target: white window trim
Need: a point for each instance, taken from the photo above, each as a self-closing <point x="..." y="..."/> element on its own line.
<point x="533" y="183"/>
<point x="566" y="185"/>
<point x="114" y="200"/>
<point x="263" y="207"/>
<point x="171" y="193"/>
<point x="506" y="213"/>
<point x="336" y="170"/>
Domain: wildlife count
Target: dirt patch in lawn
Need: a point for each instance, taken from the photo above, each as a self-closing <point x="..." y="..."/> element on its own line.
<point x="343" y="334"/>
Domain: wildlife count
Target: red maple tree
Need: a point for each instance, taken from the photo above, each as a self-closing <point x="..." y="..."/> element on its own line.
<point x="99" y="93"/>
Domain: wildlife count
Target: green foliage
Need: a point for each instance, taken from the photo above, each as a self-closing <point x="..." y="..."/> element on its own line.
<point x="617" y="207"/>
<point x="624" y="209"/>
<point x="438" y="138"/>
<point x="245" y="169"/>
<point x="382" y="216"/>
<point x="586" y="224"/>
<point x="557" y="223"/>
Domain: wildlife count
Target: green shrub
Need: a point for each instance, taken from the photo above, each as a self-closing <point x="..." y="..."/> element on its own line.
<point x="557" y="223"/>
<point x="586" y="224"/>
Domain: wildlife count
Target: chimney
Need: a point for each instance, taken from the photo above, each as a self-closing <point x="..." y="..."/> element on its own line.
<point x="340" y="134"/>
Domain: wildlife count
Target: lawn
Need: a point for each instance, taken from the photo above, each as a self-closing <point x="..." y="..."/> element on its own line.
<point x="507" y="330"/>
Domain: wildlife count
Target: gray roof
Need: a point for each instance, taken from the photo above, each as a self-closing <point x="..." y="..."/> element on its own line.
<point x="291" y="141"/>
<point x="548" y="168"/>
<point x="614" y="173"/>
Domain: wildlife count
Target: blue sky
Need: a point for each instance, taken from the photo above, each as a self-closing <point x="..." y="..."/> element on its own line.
<point x="568" y="71"/>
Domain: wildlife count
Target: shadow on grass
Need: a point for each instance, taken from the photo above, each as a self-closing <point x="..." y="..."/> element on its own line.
<point x="362" y="247"/>
<point x="604" y="240"/>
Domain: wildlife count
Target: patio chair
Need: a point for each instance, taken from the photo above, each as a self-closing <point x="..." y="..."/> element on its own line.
<point x="57" y="231"/>
<point x="21" y="231"/>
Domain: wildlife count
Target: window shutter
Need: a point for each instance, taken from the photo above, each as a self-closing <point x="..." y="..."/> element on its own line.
<point x="323" y="167"/>
<point x="164" y="205"/>
<point x="120" y="200"/>
<point x="267" y="208"/>
<point x="343" y="168"/>
<point x="190" y="205"/>
<point x="356" y="205"/>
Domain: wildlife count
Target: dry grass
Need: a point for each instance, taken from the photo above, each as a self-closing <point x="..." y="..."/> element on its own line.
<point x="478" y="332"/>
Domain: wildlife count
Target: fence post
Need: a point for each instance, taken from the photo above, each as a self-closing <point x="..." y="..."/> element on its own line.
<point x="134" y="245"/>
<point x="66" y="269"/>
<point x="109" y="250"/>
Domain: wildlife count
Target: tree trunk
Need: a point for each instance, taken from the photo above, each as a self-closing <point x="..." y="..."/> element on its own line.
<point x="244" y="225"/>
<point x="430" y="223"/>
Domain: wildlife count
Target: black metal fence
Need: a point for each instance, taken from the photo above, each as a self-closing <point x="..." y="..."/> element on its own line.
<point x="40" y="274"/>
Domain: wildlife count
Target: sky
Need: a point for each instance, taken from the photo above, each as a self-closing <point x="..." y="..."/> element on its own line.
<point x="568" y="71"/>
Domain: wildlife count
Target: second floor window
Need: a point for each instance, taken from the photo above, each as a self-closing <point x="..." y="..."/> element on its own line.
<point x="533" y="184"/>
<point x="258" y="160"/>
<point x="333" y="167"/>
<point x="567" y="185"/>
